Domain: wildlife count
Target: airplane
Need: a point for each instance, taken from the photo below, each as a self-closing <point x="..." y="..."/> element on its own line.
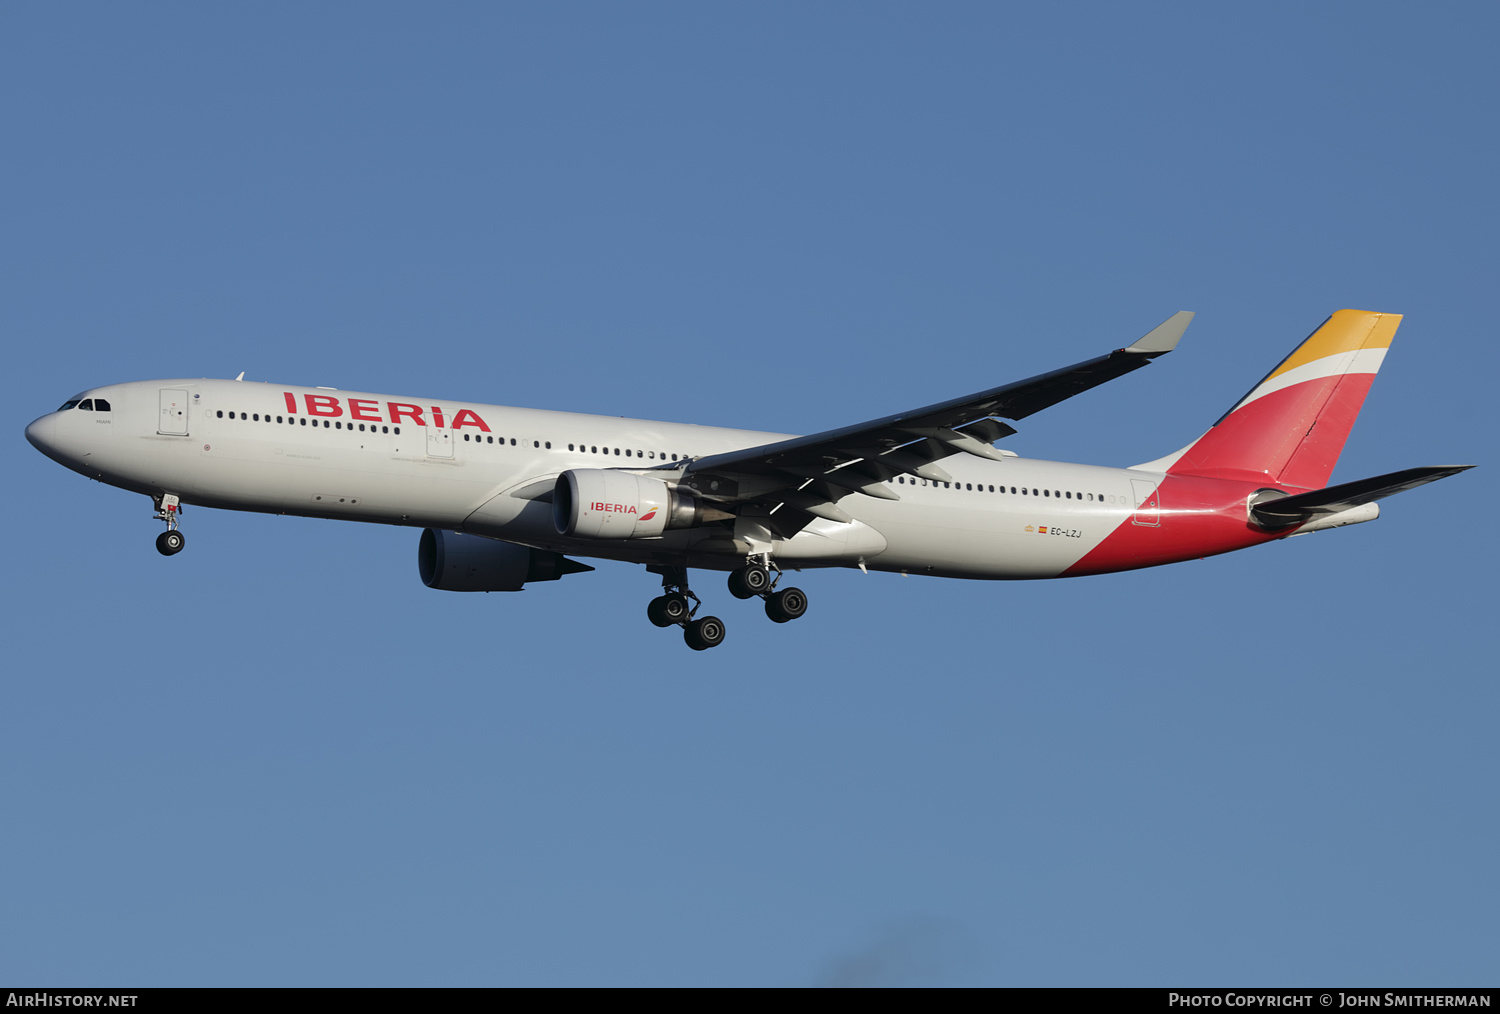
<point x="506" y="495"/>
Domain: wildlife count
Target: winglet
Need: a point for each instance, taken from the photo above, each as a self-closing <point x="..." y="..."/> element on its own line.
<point x="1165" y="337"/>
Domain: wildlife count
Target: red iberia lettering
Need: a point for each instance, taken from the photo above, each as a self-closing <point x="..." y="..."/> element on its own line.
<point x="291" y="401"/>
<point x="437" y="417"/>
<point x="364" y="409"/>
<point x="397" y="410"/>
<point x="322" y="404"/>
<point x="617" y="508"/>
<point x="468" y="418"/>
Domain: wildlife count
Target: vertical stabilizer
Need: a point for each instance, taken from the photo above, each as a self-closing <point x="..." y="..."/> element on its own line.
<point x="1292" y="426"/>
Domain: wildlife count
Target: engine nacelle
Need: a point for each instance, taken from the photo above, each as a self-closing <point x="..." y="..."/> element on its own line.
<point x="600" y="503"/>
<point x="452" y="561"/>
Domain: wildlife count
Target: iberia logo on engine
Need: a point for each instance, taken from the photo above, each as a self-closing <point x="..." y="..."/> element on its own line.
<point x="618" y="508"/>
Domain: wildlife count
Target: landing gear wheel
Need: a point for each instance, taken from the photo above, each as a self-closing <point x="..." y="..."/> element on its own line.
<point x="749" y="581"/>
<point x="667" y="610"/>
<point x="786" y="605"/>
<point x="170" y="543"/>
<point x="675" y="607"/>
<point x="705" y="633"/>
<point x="656" y="611"/>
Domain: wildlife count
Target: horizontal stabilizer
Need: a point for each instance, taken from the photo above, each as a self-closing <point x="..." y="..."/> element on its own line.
<point x="1304" y="507"/>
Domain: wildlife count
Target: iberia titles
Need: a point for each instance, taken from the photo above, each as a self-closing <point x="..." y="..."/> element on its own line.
<point x="369" y="410"/>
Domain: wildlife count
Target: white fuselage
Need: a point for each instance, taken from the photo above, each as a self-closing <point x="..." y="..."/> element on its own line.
<point x="456" y="466"/>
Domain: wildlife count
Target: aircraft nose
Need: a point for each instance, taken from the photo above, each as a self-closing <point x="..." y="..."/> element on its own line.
<point x="42" y="434"/>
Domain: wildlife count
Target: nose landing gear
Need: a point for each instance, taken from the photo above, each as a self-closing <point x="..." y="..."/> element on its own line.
<point x="168" y="508"/>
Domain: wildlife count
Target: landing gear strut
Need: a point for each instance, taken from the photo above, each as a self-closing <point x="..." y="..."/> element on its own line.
<point x="678" y="605"/>
<point x="171" y="541"/>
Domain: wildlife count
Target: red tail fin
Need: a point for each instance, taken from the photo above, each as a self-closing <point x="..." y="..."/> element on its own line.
<point x="1292" y="426"/>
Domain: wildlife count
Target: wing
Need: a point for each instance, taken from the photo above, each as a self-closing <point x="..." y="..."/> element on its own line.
<point x="805" y="477"/>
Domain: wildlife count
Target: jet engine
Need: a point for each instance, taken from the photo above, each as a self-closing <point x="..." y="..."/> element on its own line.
<point x="599" y="503"/>
<point x="451" y="561"/>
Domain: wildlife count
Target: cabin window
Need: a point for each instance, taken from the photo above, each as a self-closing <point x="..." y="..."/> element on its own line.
<point x="74" y="404"/>
<point x="220" y="415"/>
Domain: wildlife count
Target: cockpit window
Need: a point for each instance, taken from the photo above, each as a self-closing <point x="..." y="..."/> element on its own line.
<point x="100" y="405"/>
<point x="87" y="405"/>
<point x="69" y="404"/>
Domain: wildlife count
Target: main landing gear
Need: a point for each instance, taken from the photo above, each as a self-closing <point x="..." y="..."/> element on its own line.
<point x="754" y="579"/>
<point x="674" y="608"/>
<point x="678" y="606"/>
<point x="168" y="508"/>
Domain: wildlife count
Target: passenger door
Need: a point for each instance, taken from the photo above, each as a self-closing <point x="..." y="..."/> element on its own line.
<point x="439" y="442"/>
<point x="173" y="419"/>
<point x="1148" y="503"/>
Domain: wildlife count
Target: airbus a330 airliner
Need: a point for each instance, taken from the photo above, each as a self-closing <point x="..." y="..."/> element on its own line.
<point x="505" y="493"/>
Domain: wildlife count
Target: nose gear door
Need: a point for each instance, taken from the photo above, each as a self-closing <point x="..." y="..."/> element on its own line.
<point x="173" y="419"/>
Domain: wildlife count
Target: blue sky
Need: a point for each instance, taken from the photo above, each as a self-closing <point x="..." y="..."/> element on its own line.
<point x="278" y="759"/>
